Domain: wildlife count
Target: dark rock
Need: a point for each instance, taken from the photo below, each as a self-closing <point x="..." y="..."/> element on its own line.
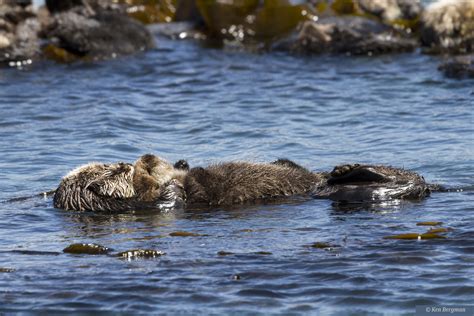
<point x="62" y="5"/>
<point x="98" y="33"/>
<point x="458" y="67"/>
<point x="346" y="35"/>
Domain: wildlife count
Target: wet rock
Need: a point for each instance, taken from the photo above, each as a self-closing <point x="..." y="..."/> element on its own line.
<point x="346" y="35"/>
<point x="403" y="14"/>
<point x="391" y="10"/>
<point x="140" y="253"/>
<point x="458" y="67"/>
<point x="6" y="270"/>
<point x="448" y="27"/>
<point x="19" y="43"/>
<point x="94" y="33"/>
<point x="187" y="11"/>
<point x="88" y="249"/>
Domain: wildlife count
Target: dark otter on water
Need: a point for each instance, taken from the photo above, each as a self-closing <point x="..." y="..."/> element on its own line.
<point x="153" y="182"/>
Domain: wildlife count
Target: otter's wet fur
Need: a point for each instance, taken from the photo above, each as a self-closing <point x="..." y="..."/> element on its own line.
<point x="355" y="182"/>
<point x="119" y="186"/>
<point x="244" y="182"/>
<point x="152" y="182"/>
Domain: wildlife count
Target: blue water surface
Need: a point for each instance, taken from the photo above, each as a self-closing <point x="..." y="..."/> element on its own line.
<point x="205" y="105"/>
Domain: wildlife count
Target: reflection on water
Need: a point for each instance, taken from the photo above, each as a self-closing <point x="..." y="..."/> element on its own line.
<point x="204" y="105"/>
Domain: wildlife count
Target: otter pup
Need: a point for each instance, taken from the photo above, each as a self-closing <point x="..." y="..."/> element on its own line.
<point x="243" y="182"/>
<point x="152" y="182"/>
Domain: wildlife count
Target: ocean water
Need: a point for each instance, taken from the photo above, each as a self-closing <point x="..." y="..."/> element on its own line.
<point x="183" y="101"/>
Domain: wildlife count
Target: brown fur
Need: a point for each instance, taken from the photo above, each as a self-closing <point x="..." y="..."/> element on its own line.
<point x="244" y="182"/>
<point x="119" y="186"/>
<point x="153" y="182"/>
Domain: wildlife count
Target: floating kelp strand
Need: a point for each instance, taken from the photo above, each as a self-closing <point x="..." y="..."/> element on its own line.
<point x="432" y="223"/>
<point x="140" y="253"/>
<point x="89" y="249"/>
<point x="415" y="236"/>
<point x="439" y="230"/>
<point x="184" y="234"/>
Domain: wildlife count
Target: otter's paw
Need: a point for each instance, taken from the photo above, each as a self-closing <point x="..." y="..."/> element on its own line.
<point x="343" y="170"/>
<point x="172" y="195"/>
<point x="181" y="165"/>
<point x="355" y="173"/>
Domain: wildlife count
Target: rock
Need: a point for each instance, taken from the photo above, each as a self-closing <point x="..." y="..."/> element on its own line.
<point x="390" y="10"/>
<point x="19" y="43"/>
<point x="96" y="33"/>
<point x="458" y="67"/>
<point x="448" y="27"/>
<point x="346" y="35"/>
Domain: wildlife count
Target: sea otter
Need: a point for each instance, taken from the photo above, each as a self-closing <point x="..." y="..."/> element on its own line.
<point x="152" y="182"/>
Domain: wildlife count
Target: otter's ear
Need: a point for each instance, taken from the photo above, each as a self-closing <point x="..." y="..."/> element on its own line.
<point x="181" y="165"/>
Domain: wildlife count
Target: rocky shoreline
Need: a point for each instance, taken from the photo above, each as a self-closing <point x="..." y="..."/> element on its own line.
<point x="90" y="30"/>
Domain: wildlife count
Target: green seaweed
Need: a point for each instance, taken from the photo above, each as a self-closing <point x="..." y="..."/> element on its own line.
<point x="150" y="11"/>
<point x="344" y="7"/>
<point x="439" y="230"/>
<point x="246" y="19"/>
<point x="88" y="249"/>
<point x="59" y="54"/>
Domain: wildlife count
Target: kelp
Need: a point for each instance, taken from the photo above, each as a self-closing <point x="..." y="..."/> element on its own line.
<point x="416" y="236"/>
<point x="321" y="245"/>
<point x="244" y="20"/>
<point x="429" y="223"/>
<point x="59" y="54"/>
<point x="89" y="249"/>
<point x="184" y="234"/>
<point x="439" y="230"/>
<point x="150" y="11"/>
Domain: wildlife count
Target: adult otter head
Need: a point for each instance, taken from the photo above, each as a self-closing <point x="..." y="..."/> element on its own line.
<point x="95" y="186"/>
